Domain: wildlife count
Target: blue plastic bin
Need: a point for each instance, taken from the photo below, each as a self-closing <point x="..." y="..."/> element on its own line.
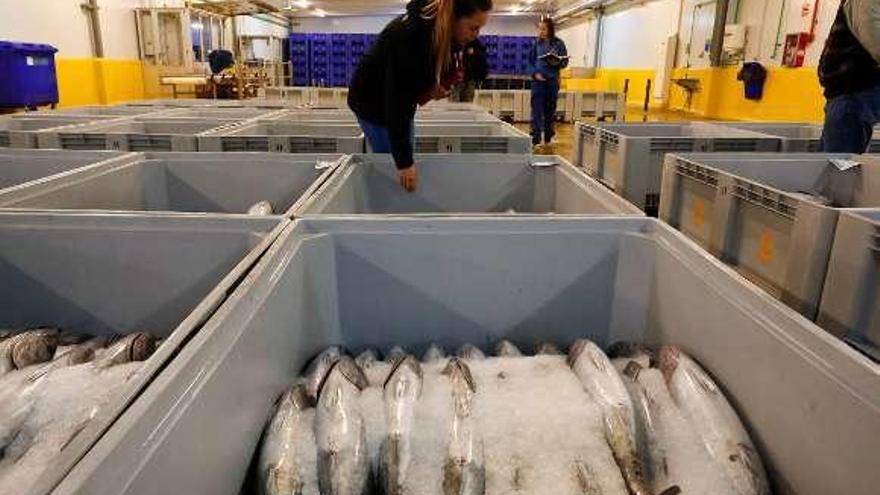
<point x="28" y="75"/>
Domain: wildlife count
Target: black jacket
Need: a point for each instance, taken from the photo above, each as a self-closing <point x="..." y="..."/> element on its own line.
<point x="846" y="66"/>
<point x="476" y="65"/>
<point x="393" y="76"/>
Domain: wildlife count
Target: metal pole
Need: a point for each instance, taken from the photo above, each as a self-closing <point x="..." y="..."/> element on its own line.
<point x="600" y="14"/>
<point x="91" y="9"/>
<point x="716" y="53"/>
<point x="647" y="95"/>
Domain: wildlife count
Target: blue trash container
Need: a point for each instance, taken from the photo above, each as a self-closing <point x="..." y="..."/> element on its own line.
<point x="28" y="75"/>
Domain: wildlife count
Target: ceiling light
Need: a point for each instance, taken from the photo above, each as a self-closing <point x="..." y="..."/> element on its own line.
<point x="320" y="12"/>
<point x="303" y="4"/>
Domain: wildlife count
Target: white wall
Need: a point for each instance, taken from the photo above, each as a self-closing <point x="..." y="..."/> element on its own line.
<point x="763" y="20"/>
<point x="631" y="37"/>
<point x="498" y="24"/>
<point x="579" y="37"/>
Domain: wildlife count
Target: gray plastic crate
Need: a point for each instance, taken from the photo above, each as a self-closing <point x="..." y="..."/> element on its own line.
<point x="632" y="154"/>
<point x="753" y="211"/>
<point x="184" y="103"/>
<point x="598" y="105"/>
<point x="244" y="113"/>
<point x="465" y="184"/>
<point x="281" y="136"/>
<point x="145" y="134"/>
<point x="110" y="274"/>
<point x="184" y="182"/>
<point x="19" y="166"/>
<point x="588" y="152"/>
<point x="795" y="137"/>
<point x="850" y="307"/>
<point x="117" y="111"/>
<point x="378" y="283"/>
<point x="487" y="137"/>
<point x="20" y="130"/>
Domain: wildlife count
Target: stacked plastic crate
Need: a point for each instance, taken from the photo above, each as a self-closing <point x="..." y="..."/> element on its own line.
<point x="320" y="58"/>
<point x="339" y="59"/>
<point x="299" y="59"/>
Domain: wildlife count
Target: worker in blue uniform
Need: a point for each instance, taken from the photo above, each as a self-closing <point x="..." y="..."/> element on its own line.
<point x="547" y="58"/>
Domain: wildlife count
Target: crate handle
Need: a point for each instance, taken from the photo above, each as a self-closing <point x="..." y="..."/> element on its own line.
<point x="543" y="164"/>
<point x="875" y="242"/>
<point x="696" y="174"/>
<point x="743" y="197"/>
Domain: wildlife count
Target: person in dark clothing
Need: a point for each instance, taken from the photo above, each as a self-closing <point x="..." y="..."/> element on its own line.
<point x="547" y="58"/>
<point x="476" y="70"/>
<point x="417" y="58"/>
<point x="850" y="73"/>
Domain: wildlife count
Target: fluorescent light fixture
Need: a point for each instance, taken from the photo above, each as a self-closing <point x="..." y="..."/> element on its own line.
<point x="197" y="25"/>
<point x="320" y="12"/>
<point x="303" y="4"/>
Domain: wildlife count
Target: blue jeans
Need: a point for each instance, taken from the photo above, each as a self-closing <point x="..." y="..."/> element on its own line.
<point x="379" y="138"/>
<point x="544" y="97"/>
<point x="850" y="121"/>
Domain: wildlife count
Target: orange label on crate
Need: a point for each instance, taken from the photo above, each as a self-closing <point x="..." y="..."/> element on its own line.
<point x="699" y="212"/>
<point x="766" y="247"/>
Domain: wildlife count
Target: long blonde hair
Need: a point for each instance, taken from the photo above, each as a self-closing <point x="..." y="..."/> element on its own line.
<point x="443" y="13"/>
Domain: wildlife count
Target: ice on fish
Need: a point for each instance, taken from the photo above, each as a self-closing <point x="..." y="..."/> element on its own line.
<point x="714" y="420"/>
<point x="261" y="208"/>
<point x="679" y="459"/>
<point x="64" y="403"/>
<point x="434" y="353"/>
<point x="81" y="353"/>
<point x="340" y="431"/>
<point x="288" y="457"/>
<point x="470" y="352"/>
<point x="539" y="425"/>
<point x="603" y="383"/>
<point x="506" y="348"/>
<point x="402" y="391"/>
<point x="317" y="370"/>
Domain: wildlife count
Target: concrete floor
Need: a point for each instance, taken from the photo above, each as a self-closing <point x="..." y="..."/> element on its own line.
<point x="563" y="144"/>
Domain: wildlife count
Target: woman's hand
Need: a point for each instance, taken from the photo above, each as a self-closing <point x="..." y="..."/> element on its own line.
<point x="409" y="178"/>
<point x="540" y="77"/>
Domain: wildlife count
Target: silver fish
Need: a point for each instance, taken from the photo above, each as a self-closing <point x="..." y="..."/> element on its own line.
<point x="470" y="352"/>
<point x="464" y="472"/>
<point x="81" y="353"/>
<point x="434" y="353"/>
<point x="679" y="460"/>
<point x="713" y="418"/>
<point x="603" y="383"/>
<point x="27" y="348"/>
<point x="260" y="209"/>
<point x="318" y="369"/>
<point x="547" y="349"/>
<point x="134" y="347"/>
<point x="283" y="453"/>
<point x="401" y="394"/>
<point x="340" y="432"/>
<point x="506" y="348"/>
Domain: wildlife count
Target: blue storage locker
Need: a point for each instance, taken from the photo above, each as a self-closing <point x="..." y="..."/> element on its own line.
<point x="29" y="76"/>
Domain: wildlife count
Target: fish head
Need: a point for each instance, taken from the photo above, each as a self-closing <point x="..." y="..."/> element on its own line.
<point x="319" y="368"/>
<point x="470" y="351"/>
<point x="395" y="354"/>
<point x="405" y="378"/>
<point x="459" y="372"/>
<point x="347" y="373"/>
<point x="669" y="357"/>
<point x="134" y="347"/>
<point x="299" y="397"/>
<point x="33" y="347"/>
<point x="547" y="349"/>
<point x="367" y="359"/>
<point x="586" y="349"/>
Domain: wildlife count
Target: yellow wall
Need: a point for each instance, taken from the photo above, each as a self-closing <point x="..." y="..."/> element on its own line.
<point x="789" y="94"/>
<point x="93" y="81"/>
